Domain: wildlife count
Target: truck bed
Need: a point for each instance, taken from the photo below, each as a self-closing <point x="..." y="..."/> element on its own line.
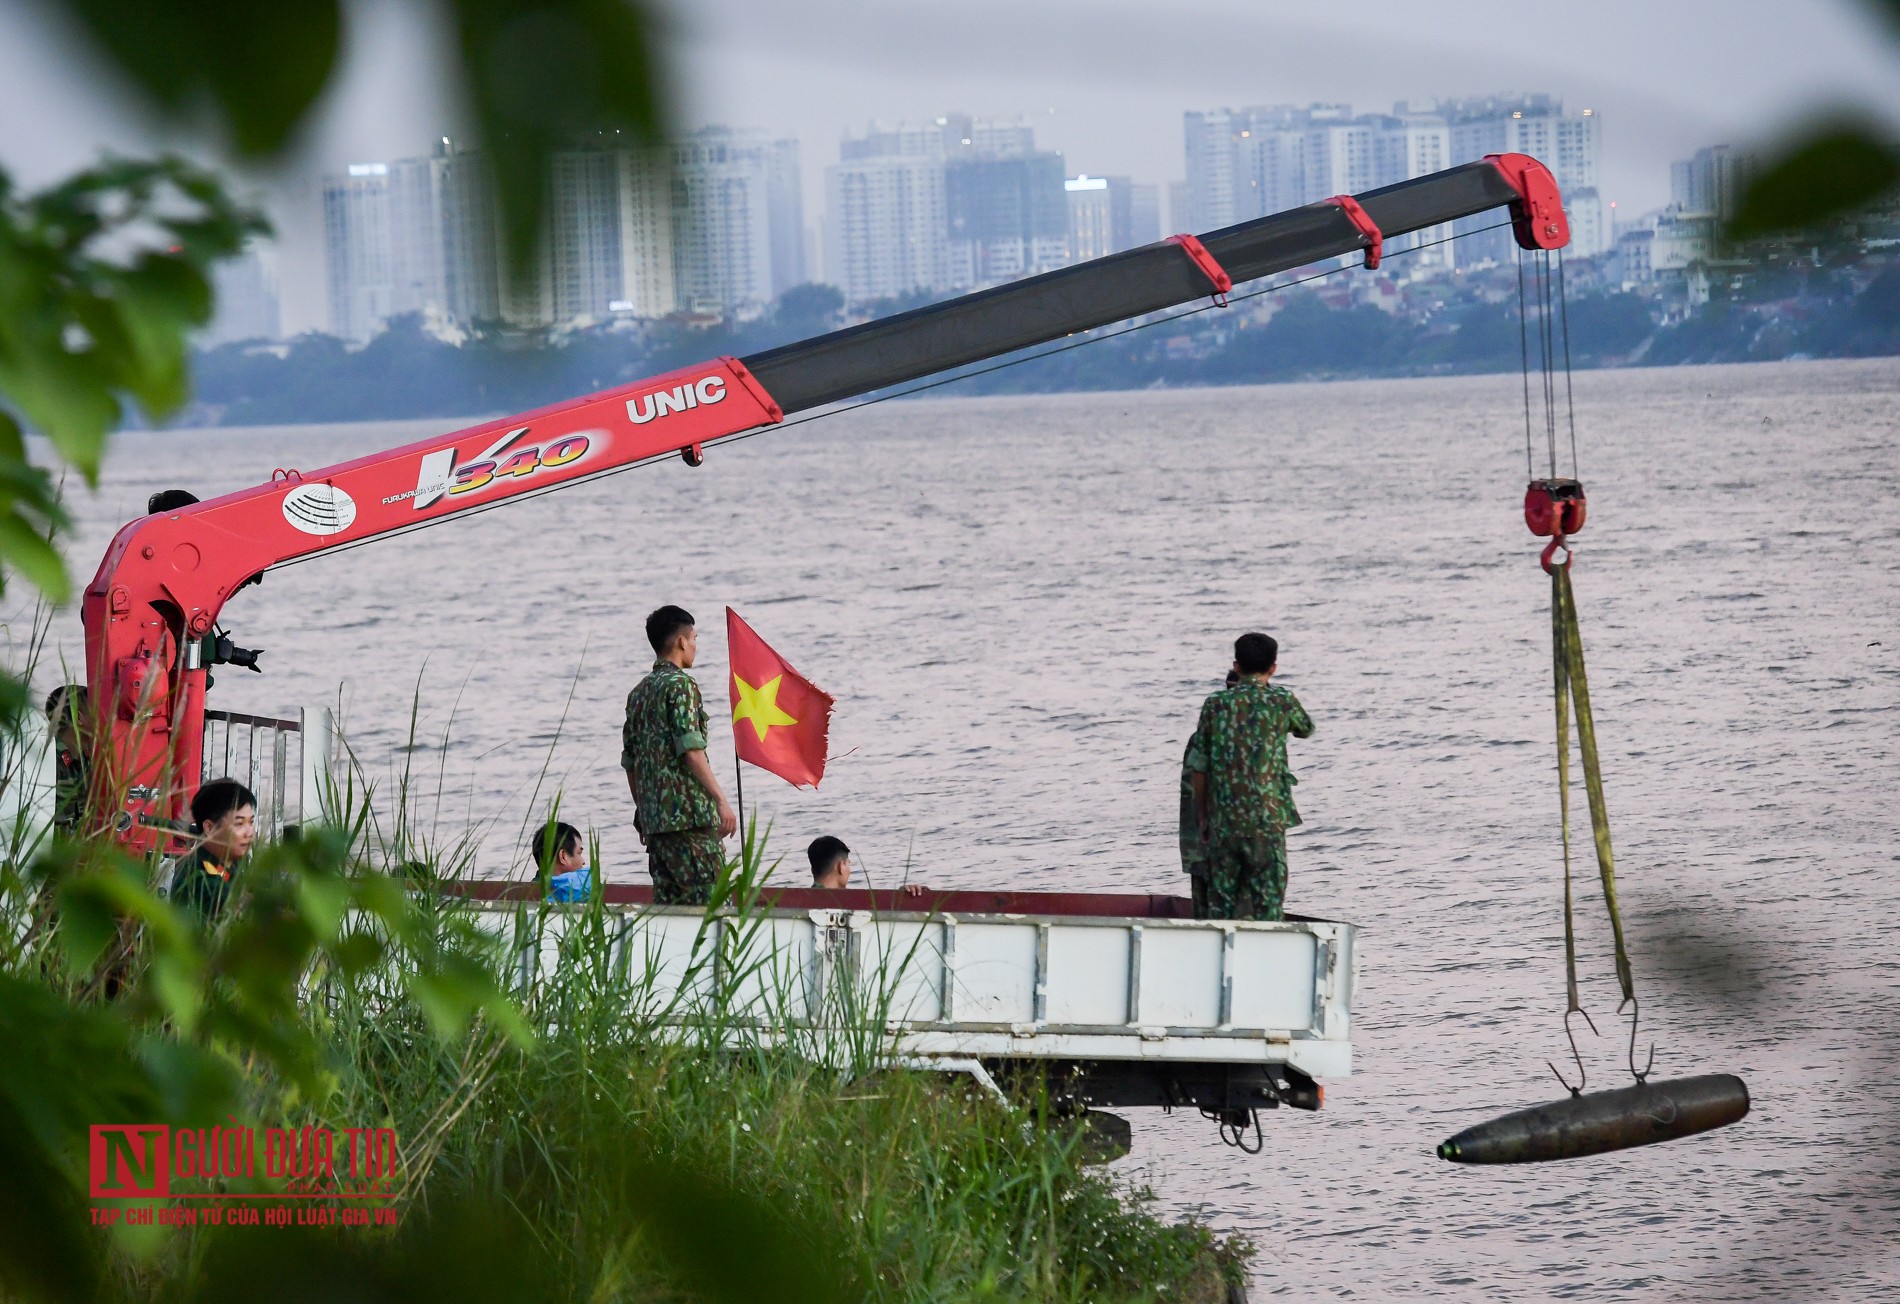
<point x="1125" y="991"/>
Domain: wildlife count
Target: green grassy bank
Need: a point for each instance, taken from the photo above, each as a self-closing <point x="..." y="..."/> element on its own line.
<point x="569" y="1140"/>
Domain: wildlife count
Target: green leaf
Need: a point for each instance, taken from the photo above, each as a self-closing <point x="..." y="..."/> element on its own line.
<point x="66" y="397"/>
<point x="195" y="1087"/>
<point x="323" y="899"/>
<point x="453" y="989"/>
<point x="356" y="952"/>
<point x="444" y="1003"/>
<point x="26" y="550"/>
<point x="260" y="67"/>
<point x="87" y="925"/>
<point x="600" y="53"/>
<point x="178" y="986"/>
<point x="16" y="704"/>
<point x="1890" y="11"/>
<point x="694" y="1215"/>
<point x="1833" y="170"/>
<point x="45" y="1252"/>
<point x="160" y="302"/>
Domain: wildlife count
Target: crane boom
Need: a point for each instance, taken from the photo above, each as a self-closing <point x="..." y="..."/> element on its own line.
<point x="165" y="577"/>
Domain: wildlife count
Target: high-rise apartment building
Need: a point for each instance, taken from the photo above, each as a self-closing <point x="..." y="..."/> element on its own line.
<point x="247" y="304"/>
<point x="646" y="235"/>
<point x="356" y="248"/>
<point x="1008" y="213"/>
<point x="583" y="233"/>
<point x="383" y="239"/>
<point x="950" y="204"/>
<point x="885" y="222"/>
<point x="1569" y="144"/>
<point x="1144" y="213"/>
<point x="470" y="234"/>
<point x="738" y="220"/>
<point x="415" y="238"/>
<point x="1092" y="216"/>
<point x="1108" y="215"/>
<point x="1246" y="163"/>
<point x="425" y="236"/>
<point x="1712" y="181"/>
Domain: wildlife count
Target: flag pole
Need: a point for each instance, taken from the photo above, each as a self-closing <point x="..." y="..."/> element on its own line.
<point x="738" y="785"/>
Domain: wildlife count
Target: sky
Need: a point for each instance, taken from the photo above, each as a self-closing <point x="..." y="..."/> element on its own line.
<point x="1104" y="81"/>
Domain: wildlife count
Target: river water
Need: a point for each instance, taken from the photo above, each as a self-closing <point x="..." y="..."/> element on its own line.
<point x="1019" y="603"/>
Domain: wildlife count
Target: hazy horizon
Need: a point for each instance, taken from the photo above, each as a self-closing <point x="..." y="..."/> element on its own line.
<point x="1105" y="83"/>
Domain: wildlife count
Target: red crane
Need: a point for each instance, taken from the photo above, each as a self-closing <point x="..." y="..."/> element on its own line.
<point x="156" y="598"/>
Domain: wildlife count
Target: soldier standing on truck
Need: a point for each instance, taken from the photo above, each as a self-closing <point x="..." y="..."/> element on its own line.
<point x="1243" y="786"/>
<point x="679" y="810"/>
<point x="1193" y="844"/>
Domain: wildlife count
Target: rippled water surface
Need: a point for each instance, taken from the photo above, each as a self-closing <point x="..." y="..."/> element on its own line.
<point x="1019" y="604"/>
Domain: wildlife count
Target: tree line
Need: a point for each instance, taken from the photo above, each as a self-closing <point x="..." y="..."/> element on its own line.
<point x="407" y="373"/>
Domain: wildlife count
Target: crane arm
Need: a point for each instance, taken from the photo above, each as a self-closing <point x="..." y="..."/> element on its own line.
<point x="165" y="577"/>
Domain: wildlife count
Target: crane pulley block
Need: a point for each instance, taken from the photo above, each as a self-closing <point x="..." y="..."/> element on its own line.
<point x="1555" y="508"/>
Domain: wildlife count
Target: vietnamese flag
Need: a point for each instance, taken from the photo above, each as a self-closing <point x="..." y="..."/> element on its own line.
<point x="780" y="719"/>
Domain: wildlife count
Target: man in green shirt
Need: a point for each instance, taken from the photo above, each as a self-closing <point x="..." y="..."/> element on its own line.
<point x="224" y="819"/>
<point x="1243" y="786"/>
<point x="679" y="810"/>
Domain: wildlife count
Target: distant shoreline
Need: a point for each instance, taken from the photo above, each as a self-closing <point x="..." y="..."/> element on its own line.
<point x="427" y="424"/>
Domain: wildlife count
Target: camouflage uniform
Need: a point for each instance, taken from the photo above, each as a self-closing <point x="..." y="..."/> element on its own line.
<point x="1193" y="850"/>
<point x="202" y="886"/>
<point x="1240" y="745"/>
<point x="72" y="782"/>
<point x="675" y="814"/>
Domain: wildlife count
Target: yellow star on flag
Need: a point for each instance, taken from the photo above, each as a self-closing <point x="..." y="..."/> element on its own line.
<point x="759" y="705"/>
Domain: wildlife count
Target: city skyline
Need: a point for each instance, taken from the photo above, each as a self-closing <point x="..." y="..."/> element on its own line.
<point x="950" y="204"/>
<point x="1116" y="75"/>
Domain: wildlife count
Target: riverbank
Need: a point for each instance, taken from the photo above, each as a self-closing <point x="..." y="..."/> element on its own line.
<point x="352" y="1088"/>
<point x="1345" y="328"/>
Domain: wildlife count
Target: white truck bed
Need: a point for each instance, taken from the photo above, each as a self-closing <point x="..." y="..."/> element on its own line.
<point x="1138" y="1001"/>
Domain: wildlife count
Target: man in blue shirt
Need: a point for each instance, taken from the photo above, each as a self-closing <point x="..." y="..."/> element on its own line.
<point x="561" y="856"/>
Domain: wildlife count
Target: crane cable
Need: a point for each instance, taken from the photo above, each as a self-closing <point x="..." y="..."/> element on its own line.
<point x="1561" y="508"/>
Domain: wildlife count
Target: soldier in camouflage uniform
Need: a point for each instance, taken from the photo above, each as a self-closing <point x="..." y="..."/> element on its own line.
<point x="679" y="810"/>
<point x="67" y="711"/>
<point x="1193" y="849"/>
<point x="1243" y="787"/>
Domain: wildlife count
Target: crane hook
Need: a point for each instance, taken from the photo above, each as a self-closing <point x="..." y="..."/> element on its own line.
<point x="1583" y="1075"/>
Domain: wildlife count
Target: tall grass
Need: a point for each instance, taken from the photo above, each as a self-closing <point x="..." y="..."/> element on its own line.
<point x="920" y="1187"/>
<point x="634" y="1139"/>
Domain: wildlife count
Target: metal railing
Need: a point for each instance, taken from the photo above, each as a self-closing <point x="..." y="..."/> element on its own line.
<point x="285" y="762"/>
